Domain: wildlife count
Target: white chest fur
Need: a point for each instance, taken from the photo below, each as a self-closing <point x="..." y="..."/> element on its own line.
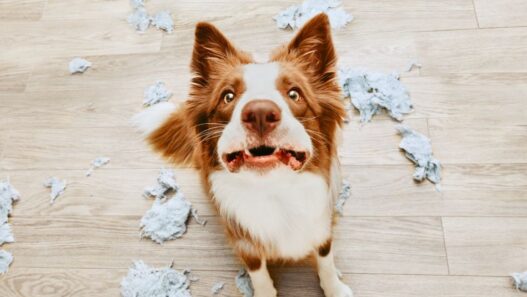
<point x="288" y="212"/>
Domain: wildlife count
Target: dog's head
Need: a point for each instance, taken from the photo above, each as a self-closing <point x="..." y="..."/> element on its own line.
<point x="243" y="115"/>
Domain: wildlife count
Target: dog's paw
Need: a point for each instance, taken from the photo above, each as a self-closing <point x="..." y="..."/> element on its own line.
<point x="338" y="289"/>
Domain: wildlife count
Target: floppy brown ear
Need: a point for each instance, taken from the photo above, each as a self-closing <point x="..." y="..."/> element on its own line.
<point x="174" y="139"/>
<point x="212" y="50"/>
<point x="313" y="47"/>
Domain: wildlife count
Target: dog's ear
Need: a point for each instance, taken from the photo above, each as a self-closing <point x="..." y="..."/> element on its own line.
<point x="168" y="130"/>
<point x="212" y="51"/>
<point x="174" y="139"/>
<point x="312" y="47"/>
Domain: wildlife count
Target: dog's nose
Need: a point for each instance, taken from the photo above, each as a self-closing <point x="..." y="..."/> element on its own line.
<point x="261" y="116"/>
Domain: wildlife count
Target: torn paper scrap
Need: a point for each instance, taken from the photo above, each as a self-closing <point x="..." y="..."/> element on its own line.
<point x="6" y="236"/>
<point x="137" y="3"/>
<point x="166" y="181"/>
<point x="98" y="162"/>
<point x="139" y="19"/>
<point x="145" y="281"/>
<point x="8" y="195"/>
<point x="344" y="195"/>
<point x="166" y="219"/>
<point x="57" y="187"/>
<point x="5" y="261"/>
<point x="163" y="20"/>
<point x="156" y="93"/>
<point x="217" y="287"/>
<point x="79" y="65"/>
<point x="413" y="64"/>
<point x="197" y="218"/>
<point x="295" y="16"/>
<point x="520" y="280"/>
<point x="371" y="91"/>
<point x="244" y="284"/>
<point x="418" y="149"/>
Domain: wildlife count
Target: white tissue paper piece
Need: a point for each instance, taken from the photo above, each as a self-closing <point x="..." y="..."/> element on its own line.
<point x="5" y="261"/>
<point x="166" y="181"/>
<point x="217" y="287"/>
<point x="295" y="16"/>
<point x="166" y="219"/>
<point x="6" y="236"/>
<point x="156" y="93"/>
<point x="137" y="3"/>
<point x="145" y="281"/>
<point x="370" y="92"/>
<point x="139" y="19"/>
<point x="344" y="195"/>
<point x="100" y="161"/>
<point x="418" y="149"/>
<point x="244" y="284"/>
<point x="79" y="65"/>
<point x="8" y="195"/>
<point x="520" y="280"/>
<point x="57" y="188"/>
<point x="163" y="20"/>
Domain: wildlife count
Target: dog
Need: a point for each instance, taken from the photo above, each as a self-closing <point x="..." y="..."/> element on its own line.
<point x="264" y="138"/>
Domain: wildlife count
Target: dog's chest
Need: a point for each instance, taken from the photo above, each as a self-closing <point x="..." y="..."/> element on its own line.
<point x="287" y="211"/>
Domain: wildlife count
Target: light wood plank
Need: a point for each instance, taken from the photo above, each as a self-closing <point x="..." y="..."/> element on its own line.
<point x="373" y="245"/>
<point x="486" y="246"/>
<point x="38" y="42"/>
<point x="470" y="96"/>
<point x="75" y="148"/>
<point x="504" y="13"/>
<point x="375" y="142"/>
<point x="390" y="245"/>
<point x="466" y="190"/>
<point x="14" y="10"/>
<point x="35" y="282"/>
<point x="107" y="192"/>
<point x="469" y="141"/>
<point x="473" y="51"/>
<point x="13" y="76"/>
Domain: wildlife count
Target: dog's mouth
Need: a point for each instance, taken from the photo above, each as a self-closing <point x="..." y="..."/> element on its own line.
<point x="265" y="157"/>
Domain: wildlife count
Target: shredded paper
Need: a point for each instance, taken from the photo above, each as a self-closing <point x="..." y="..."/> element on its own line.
<point x="145" y="281"/>
<point x="295" y="16"/>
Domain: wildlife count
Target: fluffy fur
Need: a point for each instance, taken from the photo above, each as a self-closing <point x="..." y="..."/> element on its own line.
<point x="274" y="210"/>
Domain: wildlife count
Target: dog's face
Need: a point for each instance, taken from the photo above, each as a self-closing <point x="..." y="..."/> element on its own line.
<point x="247" y="116"/>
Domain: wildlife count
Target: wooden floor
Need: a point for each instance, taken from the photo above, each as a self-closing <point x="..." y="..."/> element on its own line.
<point x="397" y="239"/>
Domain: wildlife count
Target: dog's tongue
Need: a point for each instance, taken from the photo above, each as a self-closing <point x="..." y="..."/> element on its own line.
<point x="288" y="159"/>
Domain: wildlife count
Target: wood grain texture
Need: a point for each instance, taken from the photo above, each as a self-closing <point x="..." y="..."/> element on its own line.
<point x="397" y="238"/>
<point x="486" y="246"/>
<point x="505" y="13"/>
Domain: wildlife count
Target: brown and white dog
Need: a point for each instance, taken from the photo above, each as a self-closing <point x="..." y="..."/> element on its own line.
<point x="263" y="136"/>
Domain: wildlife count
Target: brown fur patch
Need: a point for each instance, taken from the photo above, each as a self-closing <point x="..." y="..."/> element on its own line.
<point x="325" y="248"/>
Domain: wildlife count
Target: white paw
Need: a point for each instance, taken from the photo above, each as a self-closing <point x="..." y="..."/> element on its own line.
<point x="338" y="289"/>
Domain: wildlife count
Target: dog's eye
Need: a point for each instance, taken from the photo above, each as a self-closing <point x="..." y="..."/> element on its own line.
<point x="293" y="95"/>
<point x="228" y="97"/>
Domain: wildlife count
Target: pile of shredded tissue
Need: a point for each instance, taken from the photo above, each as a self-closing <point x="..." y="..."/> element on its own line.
<point x="418" y="149"/>
<point x="140" y="20"/>
<point x="244" y="284"/>
<point x="8" y="195"/>
<point x="145" y="281"/>
<point x="372" y="91"/>
<point x="295" y="16"/>
<point x="520" y="280"/>
<point x="168" y="217"/>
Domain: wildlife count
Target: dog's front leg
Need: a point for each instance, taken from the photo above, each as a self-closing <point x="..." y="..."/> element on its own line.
<point x="260" y="278"/>
<point x="328" y="273"/>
